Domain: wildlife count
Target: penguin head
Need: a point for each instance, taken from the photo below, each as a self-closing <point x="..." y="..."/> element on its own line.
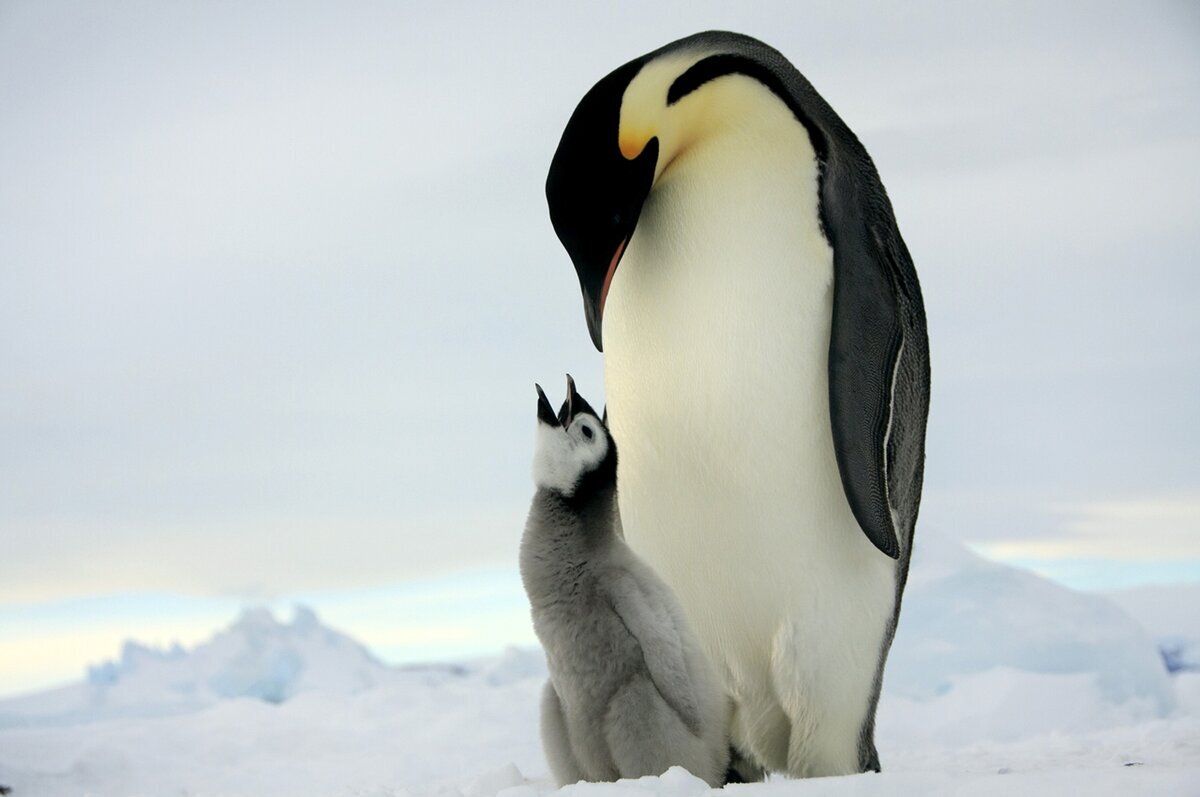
<point x="574" y="453"/>
<point x="626" y="133"/>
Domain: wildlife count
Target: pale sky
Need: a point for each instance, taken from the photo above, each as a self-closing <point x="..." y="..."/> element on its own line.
<point x="276" y="280"/>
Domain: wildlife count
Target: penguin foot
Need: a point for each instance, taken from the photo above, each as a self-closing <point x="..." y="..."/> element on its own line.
<point x="742" y="769"/>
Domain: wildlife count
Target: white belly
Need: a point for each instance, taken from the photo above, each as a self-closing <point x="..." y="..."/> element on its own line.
<point x="716" y="336"/>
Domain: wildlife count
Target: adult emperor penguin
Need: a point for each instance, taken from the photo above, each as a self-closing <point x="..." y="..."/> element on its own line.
<point x="766" y="372"/>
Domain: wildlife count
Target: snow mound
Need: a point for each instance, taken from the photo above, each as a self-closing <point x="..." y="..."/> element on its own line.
<point x="514" y="665"/>
<point x="1169" y="613"/>
<point x="675" y="782"/>
<point x="257" y="657"/>
<point x="1020" y="653"/>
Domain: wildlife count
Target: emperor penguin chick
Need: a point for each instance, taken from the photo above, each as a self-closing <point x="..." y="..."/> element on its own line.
<point x="630" y="692"/>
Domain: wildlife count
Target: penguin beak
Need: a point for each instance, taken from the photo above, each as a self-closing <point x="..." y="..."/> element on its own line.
<point x="545" y="412"/>
<point x="573" y="405"/>
<point x="572" y="398"/>
<point x="593" y="305"/>
<point x="608" y="275"/>
<point x="595" y="196"/>
<point x="595" y="283"/>
<point x="566" y="413"/>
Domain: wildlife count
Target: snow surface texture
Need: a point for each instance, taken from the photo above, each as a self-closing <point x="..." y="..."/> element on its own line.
<point x="999" y="683"/>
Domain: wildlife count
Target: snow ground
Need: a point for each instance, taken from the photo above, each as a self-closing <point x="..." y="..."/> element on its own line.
<point x="1001" y="683"/>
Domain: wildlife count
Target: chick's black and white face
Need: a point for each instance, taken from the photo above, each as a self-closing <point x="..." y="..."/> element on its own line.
<point x="563" y="455"/>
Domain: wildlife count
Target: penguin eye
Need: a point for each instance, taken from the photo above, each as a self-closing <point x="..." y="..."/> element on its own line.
<point x="587" y="431"/>
<point x="616" y="219"/>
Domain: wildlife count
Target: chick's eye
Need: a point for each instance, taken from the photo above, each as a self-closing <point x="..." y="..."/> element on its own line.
<point x="587" y="431"/>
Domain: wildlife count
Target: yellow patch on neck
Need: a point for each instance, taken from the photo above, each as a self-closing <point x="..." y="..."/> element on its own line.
<point x="632" y="143"/>
<point x="644" y="111"/>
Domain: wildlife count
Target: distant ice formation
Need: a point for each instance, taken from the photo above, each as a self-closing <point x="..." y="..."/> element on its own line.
<point x="964" y="616"/>
<point x="982" y="648"/>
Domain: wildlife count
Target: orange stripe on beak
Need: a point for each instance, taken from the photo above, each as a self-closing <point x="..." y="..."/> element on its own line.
<point x="612" y="268"/>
